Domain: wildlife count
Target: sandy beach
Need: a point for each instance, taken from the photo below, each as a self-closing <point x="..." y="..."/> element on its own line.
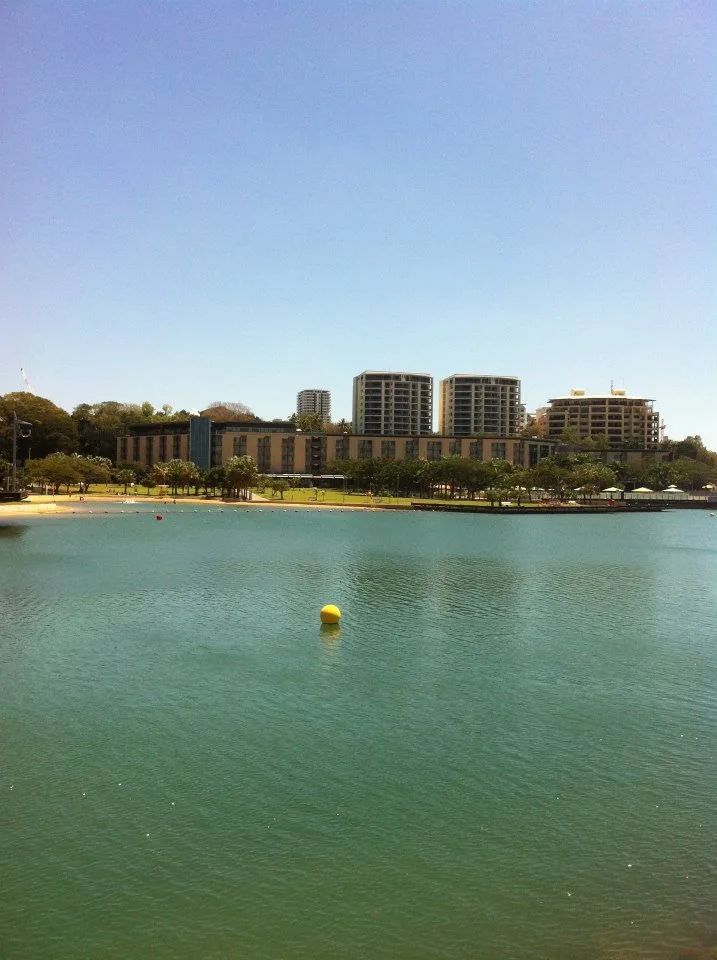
<point x="62" y="504"/>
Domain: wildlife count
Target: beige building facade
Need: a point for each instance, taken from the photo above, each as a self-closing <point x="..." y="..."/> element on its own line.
<point x="622" y="419"/>
<point x="474" y="404"/>
<point x="280" y="449"/>
<point x="392" y="404"/>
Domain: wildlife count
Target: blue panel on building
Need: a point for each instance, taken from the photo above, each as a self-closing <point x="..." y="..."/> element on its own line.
<point x="200" y="434"/>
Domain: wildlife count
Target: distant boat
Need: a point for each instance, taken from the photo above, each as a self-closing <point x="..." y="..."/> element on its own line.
<point x="129" y="501"/>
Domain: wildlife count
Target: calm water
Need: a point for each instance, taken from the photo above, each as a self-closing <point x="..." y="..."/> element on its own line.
<point x="507" y="751"/>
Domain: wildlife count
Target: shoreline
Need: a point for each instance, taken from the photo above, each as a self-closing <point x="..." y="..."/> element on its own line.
<point x="64" y="505"/>
<point x="70" y="505"/>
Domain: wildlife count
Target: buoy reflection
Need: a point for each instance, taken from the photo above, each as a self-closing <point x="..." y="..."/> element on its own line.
<point x="330" y="637"/>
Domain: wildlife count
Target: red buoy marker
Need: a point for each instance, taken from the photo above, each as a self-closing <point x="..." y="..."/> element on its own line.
<point x="159" y="516"/>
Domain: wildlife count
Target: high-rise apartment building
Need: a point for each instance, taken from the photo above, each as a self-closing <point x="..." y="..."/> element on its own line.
<point x="315" y="401"/>
<point x="473" y="404"/>
<point x="393" y="404"/>
<point x="622" y="419"/>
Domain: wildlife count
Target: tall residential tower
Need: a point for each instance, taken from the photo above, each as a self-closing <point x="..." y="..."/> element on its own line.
<point x="471" y="404"/>
<point x="393" y="404"/>
<point x="315" y="401"/>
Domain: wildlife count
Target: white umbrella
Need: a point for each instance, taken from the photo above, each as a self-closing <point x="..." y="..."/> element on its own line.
<point x="612" y="490"/>
<point x="642" y="490"/>
<point x="672" y="489"/>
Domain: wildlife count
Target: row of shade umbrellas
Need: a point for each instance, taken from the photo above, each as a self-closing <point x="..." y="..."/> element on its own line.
<point x="671" y="489"/>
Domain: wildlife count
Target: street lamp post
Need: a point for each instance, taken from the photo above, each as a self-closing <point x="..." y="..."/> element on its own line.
<point x="345" y="451"/>
<point x="24" y="429"/>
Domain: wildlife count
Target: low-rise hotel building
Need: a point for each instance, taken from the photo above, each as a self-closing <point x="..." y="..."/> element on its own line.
<point x="278" y="448"/>
<point x="620" y="418"/>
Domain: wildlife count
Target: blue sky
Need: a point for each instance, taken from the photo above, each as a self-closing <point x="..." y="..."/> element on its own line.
<point x="234" y="201"/>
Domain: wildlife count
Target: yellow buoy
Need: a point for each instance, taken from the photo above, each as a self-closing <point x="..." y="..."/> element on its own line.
<point x="330" y="614"/>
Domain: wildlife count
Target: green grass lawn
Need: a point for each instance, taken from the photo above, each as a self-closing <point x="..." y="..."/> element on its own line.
<point x="338" y="497"/>
<point x="301" y="495"/>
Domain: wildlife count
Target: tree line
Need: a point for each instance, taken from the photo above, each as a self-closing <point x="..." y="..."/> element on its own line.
<point x="91" y="432"/>
<point x="561" y="476"/>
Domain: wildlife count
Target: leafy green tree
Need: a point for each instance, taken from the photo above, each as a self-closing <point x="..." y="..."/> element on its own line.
<point x="59" y="469"/>
<point x="279" y="486"/>
<point x="308" y="422"/>
<point x="216" y="478"/>
<point x="495" y="495"/>
<point x="125" y="477"/>
<point x="342" y="426"/>
<point x="229" y="410"/>
<point x="92" y="470"/>
<point x="520" y="482"/>
<point x="241" y="475"/>
<point x="591" y="478"/>
<point x="53" y="429"/>
<point x="659" y="475"/>
<point x="570" y="436"/>
<point x="180" y="474"/>
<point x="692" y="448"/>
<point x="200" y="481"/>
<point x="555" y="475"/>
<point x="174" y="473"/>
<point x="692" y="474"/>
<point x="189" y="474"/>
<point x="157" y="476"/>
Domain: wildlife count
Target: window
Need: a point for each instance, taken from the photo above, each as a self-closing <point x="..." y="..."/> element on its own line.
<point x="388" y="449"/>
<point x="239" y="445"/>
<point x="176" y="447"/>
<point x="123" y="450"/>
<point x="455" y="448"/>
<point x="434" y="449"/>
<point x="497" y="451"/>
<point x="264" y="455"/>
<point x="315" y="452"/>
<point x="163" y="449"/>
<point x="475" y="451"/>
<point x="216" y="445"/>
<point x="365" y="449"/>
<point x="287" y="454"/>
<point x="411" y="450"/>
<point x="135" y="449"/>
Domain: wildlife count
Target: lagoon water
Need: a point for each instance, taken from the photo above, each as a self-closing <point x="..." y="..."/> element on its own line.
<point x="506" y="751"/>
